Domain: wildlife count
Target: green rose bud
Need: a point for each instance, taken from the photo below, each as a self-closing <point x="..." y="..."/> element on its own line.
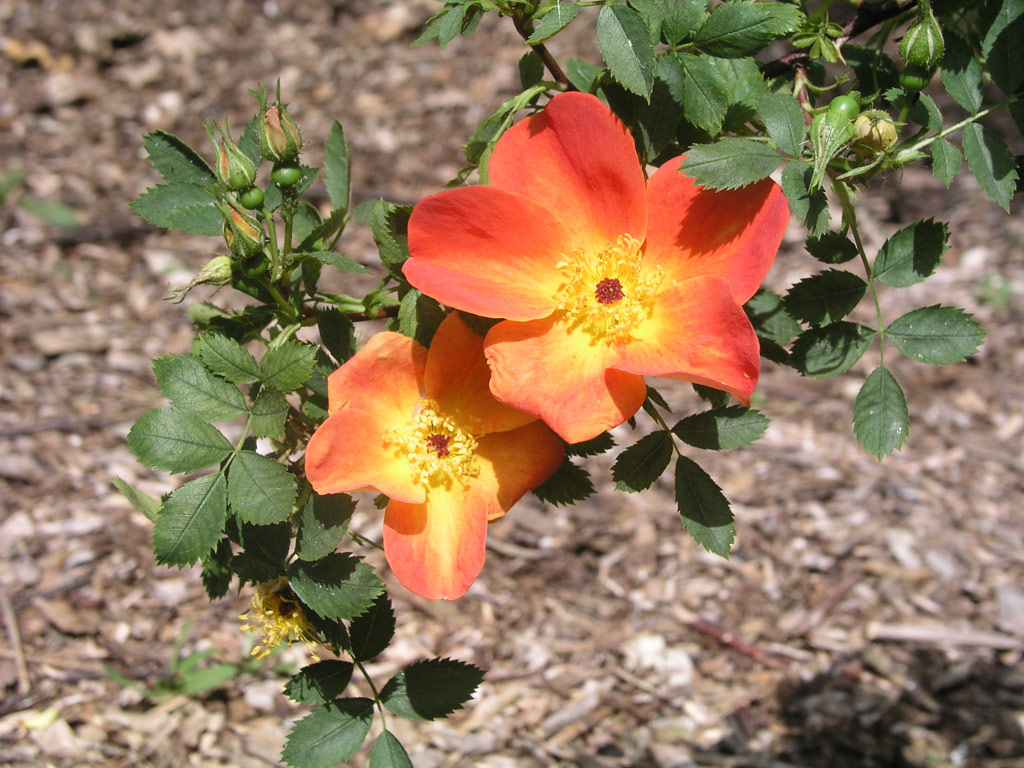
<point x="242" y="232"/>
<point x="217" y="271"/>
<point x="234" y="170"/>
<point x="279" y="135"/>
<point x="922" y="46"/>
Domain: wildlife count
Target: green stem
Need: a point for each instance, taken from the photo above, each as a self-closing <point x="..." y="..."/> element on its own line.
<point x="953" y="128"/>
<point x="275" y="255"/>
<point x="289" y="311"/>
<point x="360" y="539"/>
<point x="373" y="690"/>
<point x="850" y="217"/>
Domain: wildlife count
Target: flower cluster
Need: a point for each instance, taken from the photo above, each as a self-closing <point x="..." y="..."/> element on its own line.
<point x="599" y="277"/>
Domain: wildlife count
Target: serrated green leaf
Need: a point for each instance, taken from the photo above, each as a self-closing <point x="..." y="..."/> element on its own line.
<point x="337" y="168"/>
<point x="266" y="548"/>
<point x="876" y="72"/>
<point x="784" y="120"/>
<point x="567" y="485"/>
<point x="826" y="297"/>
<point x="729" y="163"/>
<point x="322" y="525"/>
<point x="427" y="690"/>
<point x="705" y="95"/>
<point x="176" y="161"/>
<point x="217" y="570"/>
<point x="639" y="466"/>
<point x="626" y="48"/>
<point x="142" y="501"/>
<point x="992" y="164"/>
<point x="1001" y="44"/>
<point x="388" y="751"/>
<point x="926" y="113"/>
<point x="339" y="586"/>
<point x="811" y="208"/>
<point x="946" y="161"/>
<point x="734" y="30"/>
<point x="912" y="253"/>
<point x="329" y="735"/>
<point x="582" y="74"/>
<point x="770" y="318"/>
<point x="337" y="333"/>
<point x="831" y="350"/>
<point x="722" y="428"/>
<point x="831" y="248"/>
<point x="227" y="358"/>
<point x="553" y="22"/>
<point x="191" y="521"/>
<point x="371" y="632"/>
<point x="419" y="316"/>
<point x="319" y="683"/>
<point x="593" y="447"/>
<point x="260" y="490"/>
<point x="390" y="225"/>
<point x="881" y="421"/>
<point x="704" y="510"/>
<point x="331" y="259"/>
<point x="185" y="207"/>
<point x="658" y="120"/>
<point x="936" y="335"/>
<point x="190" y="387"/>
<point x="961" y="73"/>
<point x="172" y="441"/>
<point x="716" y="398"/>
<point x="269" y="412"/>
<point x="288" y="366"/>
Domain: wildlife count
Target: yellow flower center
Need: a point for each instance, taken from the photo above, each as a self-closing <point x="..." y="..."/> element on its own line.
<point x="609" y="293"/>
<point x="277" y="617"/>
<point x="437" y="449"/>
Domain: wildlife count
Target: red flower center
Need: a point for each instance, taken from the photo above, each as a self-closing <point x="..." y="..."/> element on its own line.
<point x="609" y="291"/>
<point x="438" y="444"/>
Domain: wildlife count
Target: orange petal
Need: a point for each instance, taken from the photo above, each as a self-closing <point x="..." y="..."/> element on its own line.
<point x="385" y="377"/>
<point x="697" y="333"/>
<point x="486" y="251"/>
<point x="515" y="462"/>
<point x="561" y="377"/>
<point x="692" y="231"/>
<point x="458" y="378"/>
<point x="579" y="161"/>
<point x="347" y="453"/>
<point x="436" y="549"/>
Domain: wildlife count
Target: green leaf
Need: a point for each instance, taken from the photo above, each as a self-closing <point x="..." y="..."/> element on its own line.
<point x="227" y="358"/>
<point x="734" y="30"/>
<point x="322" y="524"/>
<point x="658" y="120"/>
<point x="881" y="421"/>
<point x="191" y="521"/>
<point x="338" y="334"/>
<point x="704" y="510"/>
<point x="269" y="412"/>
<point x="832" y="248"/>
<point x="582" y="74"/>
<point x="288" y="366"/>
<point x="190" y="387"/>
<point x="593" y="447"/>
<point x="639" y="466"/>
<point x="875" y="71"/>
<point x="811" y="208"/>
<point x="419" y="316"/>
<point x="427" y="690"/>
<point x="331" y="259"/>
<point x="926" y="113"/>
<point x="569" y="483"/>
<point x="218" y="570"/>
<point x="370" y="633"/>
<point x="388" y="751"/>
<point x="770" y="318"/>
<point x="319" y="683"/>
<point x="626" y="48"/>
<point x="390" y="224"/>
<point x="208" y="678"/>
<point x="266" y="548"/>
<point x="936" y="335"/>
<point x="337" y="168"/>
<point x="824" y="298"/>
<point x="912" y="253"/>
<point x="831" y="350"/>
<point x="176" y="161"/>
<point x="329" y="735"/>
<point x="722" y="428"/>
<point x="946" y="161"/>
<point x="172" y="441"/>
<point x="553" y="22"/>
<point x="705" y="96"/>
<point x="784" y="120"/>
<point x="992" y="164"/>
<point x="339" y="586"/>
<point x="961" y="73"/>
<point x="142" y="501"/>
<point x="185" y="207"/>
<point x="1001" y="45"/>
<point x="716" y="398"/>
<point x="729" y="163"/>
<point x="260" y="490"/>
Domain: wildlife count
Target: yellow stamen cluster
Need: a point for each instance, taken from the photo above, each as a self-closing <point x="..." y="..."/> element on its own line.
<point x="607" y="294"/>
<point x="277" y="617"/>
<point x="437" y="449"/>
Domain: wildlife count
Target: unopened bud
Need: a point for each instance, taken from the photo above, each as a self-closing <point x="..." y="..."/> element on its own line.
<point x="234" y="169"/>
<point x="216" y="272"/>
<point x="922" y="45"/>
<point x="875" y="130"/>
<point x="242" y="232"/>
<point x="279" y="135"/>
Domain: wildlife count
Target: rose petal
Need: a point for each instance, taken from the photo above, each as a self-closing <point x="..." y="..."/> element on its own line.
<point x="385" y="377"/>
<point x="512" y="463"/>
<point x="734" y="234"/>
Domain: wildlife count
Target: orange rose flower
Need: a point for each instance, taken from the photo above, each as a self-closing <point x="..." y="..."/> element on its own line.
<point x="602" y="277"/>
<point x="421" y="427"/>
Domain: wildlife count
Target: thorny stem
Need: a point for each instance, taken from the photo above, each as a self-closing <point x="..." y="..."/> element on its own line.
<point x="525" y="28"/>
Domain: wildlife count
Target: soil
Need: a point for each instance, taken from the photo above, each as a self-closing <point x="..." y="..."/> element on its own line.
<point x="872" y="613"/>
